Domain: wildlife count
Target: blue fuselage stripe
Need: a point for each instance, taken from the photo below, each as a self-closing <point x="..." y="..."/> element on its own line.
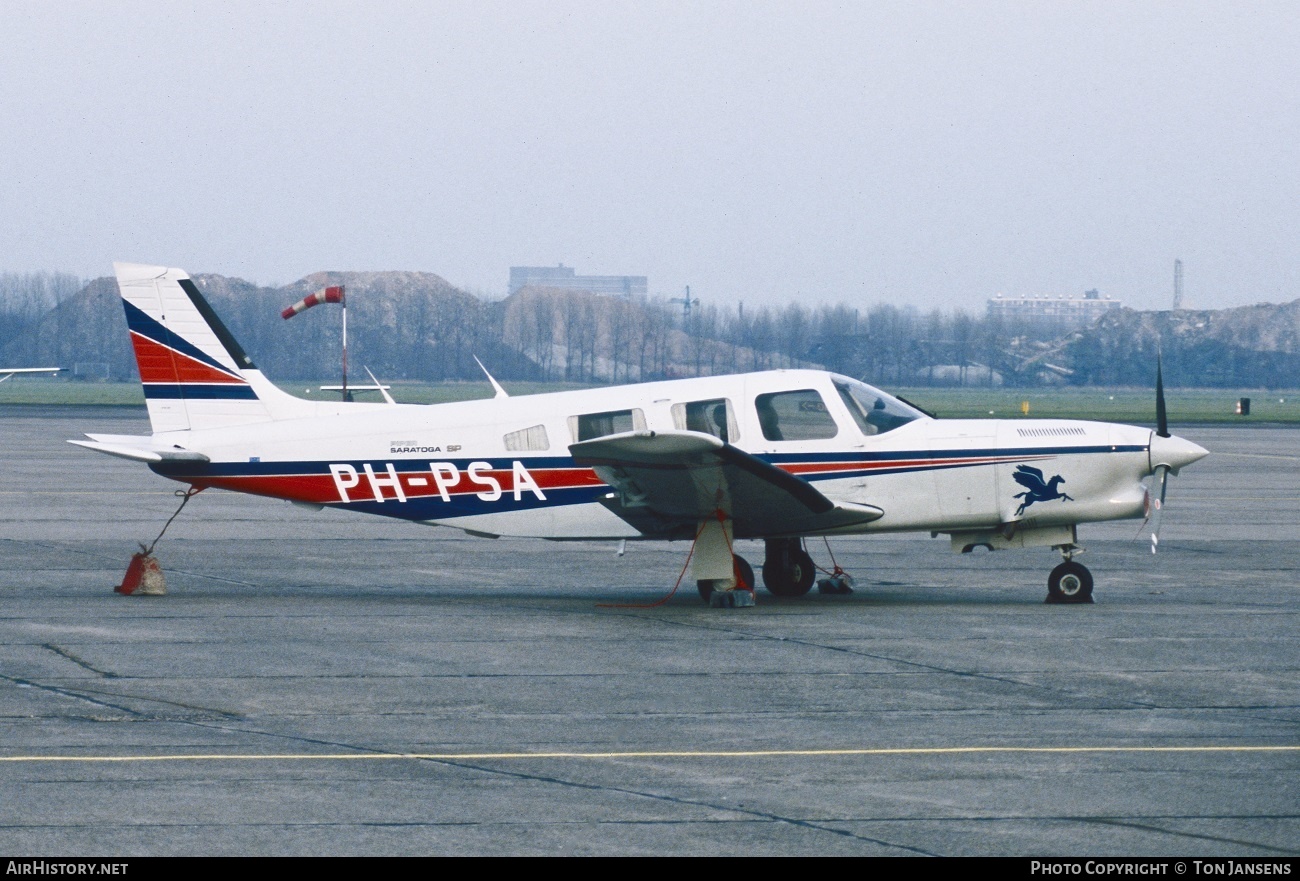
<point x="432" y="507"/>
<point x="853" y="464"/>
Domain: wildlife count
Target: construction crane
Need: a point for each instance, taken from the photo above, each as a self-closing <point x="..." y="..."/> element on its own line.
<point x="686" y="302"/>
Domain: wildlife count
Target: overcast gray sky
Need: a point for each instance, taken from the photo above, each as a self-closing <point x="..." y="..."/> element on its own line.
<point x="925" y="153"/>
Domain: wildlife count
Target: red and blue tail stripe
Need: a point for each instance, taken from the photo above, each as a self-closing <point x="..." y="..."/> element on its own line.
<point x="170" y="367"/>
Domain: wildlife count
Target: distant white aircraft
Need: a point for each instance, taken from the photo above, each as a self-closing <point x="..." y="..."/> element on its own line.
<point x="7" y="372"/>
<point x="779" y="456"/>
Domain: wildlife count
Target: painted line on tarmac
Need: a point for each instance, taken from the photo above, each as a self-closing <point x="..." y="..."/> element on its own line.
<point x="1241" y="499"/>
<point x="649" y="754"/>
<point x="1257" y="456"/>
<point x="88" y="492"/>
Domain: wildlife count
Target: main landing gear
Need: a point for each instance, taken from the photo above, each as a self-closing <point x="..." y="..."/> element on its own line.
<point x="744" y="575"/>
<point x="725" y="580"/>
<point x="1070" y="582"/>
<point x="788" y="571"/>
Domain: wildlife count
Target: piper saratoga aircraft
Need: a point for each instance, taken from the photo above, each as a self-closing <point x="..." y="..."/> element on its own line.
<point x="779" y="456"/>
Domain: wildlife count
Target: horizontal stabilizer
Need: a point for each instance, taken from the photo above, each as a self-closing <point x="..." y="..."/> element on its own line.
<point x="138" y="449"/>
<point x="6" y="372"/>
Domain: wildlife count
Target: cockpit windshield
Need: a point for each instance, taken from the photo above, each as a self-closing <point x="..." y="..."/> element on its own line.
<point x="874" y="411"/>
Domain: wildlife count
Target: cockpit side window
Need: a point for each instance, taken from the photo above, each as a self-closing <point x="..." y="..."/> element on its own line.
<point x="593" y="425"/>
<point x="874" y="411"/>
<point x="795" y="416"/>
<point x="714" y="417"/>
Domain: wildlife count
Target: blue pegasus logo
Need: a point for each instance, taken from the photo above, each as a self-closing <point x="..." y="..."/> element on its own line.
<point x="1037" y="489"/>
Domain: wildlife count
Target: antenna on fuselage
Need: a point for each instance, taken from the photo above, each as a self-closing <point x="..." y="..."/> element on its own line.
<point x="501" y="393"/>
<point x="383" y="391"/>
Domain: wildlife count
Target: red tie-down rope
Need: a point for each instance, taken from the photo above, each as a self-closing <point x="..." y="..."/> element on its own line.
<point x="735" y="570"/>
<point x="722" y="518"/>
<point x="838" y="570"/>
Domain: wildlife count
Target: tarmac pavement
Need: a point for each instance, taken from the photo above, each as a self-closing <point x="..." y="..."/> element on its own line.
<point x="324" y="683"/>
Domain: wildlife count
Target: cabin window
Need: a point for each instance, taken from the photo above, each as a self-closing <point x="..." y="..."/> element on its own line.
<point x="528" y="439"/>
<point x="715" y="417"/>
<point x="593" y="425"/>
<point x="795" y="416"/>
<point x="874" y="411"/>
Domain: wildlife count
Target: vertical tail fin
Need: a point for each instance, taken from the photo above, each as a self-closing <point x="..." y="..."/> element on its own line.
<point x="195" y="374"/>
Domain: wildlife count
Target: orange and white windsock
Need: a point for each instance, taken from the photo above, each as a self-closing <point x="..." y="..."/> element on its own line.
<point x="332" y="294"/>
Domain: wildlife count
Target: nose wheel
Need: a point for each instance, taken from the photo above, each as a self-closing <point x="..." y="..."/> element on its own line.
<point x="1069" y="582"/>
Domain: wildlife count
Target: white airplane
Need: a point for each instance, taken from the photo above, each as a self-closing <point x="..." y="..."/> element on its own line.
<point x="9" y="372"/>
<point x="780" y="456"/>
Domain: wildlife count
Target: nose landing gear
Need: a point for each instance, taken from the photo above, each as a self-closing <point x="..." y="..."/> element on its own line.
<point x="1069" y="582"/>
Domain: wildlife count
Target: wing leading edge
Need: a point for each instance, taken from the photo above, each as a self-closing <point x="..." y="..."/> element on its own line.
<point x="668" y="482"/>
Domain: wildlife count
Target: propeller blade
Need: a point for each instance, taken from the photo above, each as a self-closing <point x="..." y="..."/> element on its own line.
<point x="1160" y="479"/>
<point x="1162" y="419"/>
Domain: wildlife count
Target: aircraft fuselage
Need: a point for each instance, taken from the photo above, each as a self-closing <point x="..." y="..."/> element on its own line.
<point x="502" y="466"/>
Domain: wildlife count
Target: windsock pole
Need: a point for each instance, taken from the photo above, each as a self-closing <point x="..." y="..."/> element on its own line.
<point x="332" y="294"/>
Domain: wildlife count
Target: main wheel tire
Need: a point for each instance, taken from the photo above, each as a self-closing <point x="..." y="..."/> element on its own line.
<point x="743" y="570"/>
<point x="792" y="580"/>
<point x="1070" y="582"/>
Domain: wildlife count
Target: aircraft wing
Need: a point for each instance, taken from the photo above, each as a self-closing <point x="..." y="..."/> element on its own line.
<point x="667" y="482"/>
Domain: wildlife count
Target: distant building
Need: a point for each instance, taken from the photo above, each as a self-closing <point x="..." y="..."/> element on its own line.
<point x="1054" y="316"/>
<point x="564" y="277"/>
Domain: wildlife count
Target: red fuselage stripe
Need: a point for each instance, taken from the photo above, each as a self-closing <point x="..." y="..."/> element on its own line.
<point x="322" y="488"/>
